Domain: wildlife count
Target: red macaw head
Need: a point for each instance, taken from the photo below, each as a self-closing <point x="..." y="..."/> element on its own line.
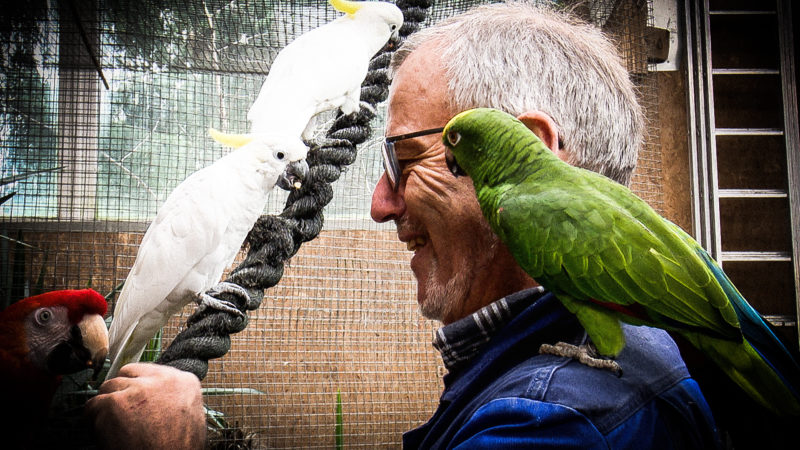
<point x="54" y="333"/>
<point x="41" y="338"/>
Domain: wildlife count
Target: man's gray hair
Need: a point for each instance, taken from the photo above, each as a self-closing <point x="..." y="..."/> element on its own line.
<point x="519" y="57"/>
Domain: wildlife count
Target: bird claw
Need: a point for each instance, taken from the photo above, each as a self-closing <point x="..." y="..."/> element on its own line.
<point x="584" y="354"/>
<point x="208" y="299"/>
<point x="224" y="287"/>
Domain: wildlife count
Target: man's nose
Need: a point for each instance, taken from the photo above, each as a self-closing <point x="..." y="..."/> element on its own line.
<point x="386" y="203"/>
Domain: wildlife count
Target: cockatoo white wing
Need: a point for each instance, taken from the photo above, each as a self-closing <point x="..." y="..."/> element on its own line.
<point x="323" y="69"/>
<point x="171" y="264"/>
<point x="196" y="235"/>
<point x="313" y="74"/>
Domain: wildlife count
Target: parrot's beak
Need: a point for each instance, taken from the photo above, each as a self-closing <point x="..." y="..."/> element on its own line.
<point x="87" y="347"/>
<point x="293" y="176"/>
<point x="455" y="169"/>
<point x="95" y="339"/>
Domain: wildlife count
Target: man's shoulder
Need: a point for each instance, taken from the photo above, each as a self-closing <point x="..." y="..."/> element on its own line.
<point x="655" y="390"/>
<point x="511" y="366"/>
<point x="650" y="361"/>
<point x="510" y="386"/>
<point x="651" y="368"/>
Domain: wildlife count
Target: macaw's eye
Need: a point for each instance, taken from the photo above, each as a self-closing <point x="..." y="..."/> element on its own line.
<point x="453" y="137"/>
<point x="43" y="316"/>
<point x="280" y="155"/>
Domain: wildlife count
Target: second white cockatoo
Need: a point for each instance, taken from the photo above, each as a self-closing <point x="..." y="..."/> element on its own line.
<point x="196" y="235"/>
<point x="323" y="69"/>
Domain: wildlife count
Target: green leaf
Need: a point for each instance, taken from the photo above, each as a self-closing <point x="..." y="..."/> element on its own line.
<point x="153" y="349"/>
<point x="339" y="421"/>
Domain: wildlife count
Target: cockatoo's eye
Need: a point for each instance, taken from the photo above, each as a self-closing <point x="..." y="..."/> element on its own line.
<point x="453" y="137"/>
<point x="43" y="316"/>
<point x="279" y="155"/>
<point x="393" y="27"/>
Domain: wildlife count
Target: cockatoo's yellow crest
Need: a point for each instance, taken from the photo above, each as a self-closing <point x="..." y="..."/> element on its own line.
<point x="230" y="140"/>
<point x="346" y="6"/>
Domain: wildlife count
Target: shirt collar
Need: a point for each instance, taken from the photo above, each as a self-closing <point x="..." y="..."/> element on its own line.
<point x="461" y="340"/>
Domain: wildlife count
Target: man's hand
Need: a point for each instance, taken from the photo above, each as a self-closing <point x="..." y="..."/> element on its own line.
<point x="149" y="406"/>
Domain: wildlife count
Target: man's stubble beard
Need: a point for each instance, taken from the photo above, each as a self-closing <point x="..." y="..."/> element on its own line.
<point x="442" y="299"/>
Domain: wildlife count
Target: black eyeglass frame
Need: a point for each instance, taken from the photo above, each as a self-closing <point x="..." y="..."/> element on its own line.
<point x="390" y="163"/>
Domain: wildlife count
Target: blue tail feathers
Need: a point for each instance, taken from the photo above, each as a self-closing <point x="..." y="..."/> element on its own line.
<point x="757" y="332"/>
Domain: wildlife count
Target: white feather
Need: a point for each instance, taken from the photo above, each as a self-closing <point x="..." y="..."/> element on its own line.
<point x="323" y="70"/>
<point x="196" y="235"/>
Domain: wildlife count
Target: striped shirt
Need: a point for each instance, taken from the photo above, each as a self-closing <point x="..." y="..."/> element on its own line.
<point x="459" y="341"/>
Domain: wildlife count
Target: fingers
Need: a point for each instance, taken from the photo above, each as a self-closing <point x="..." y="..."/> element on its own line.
<point x="113" y="385"/>
<point x="145" y="376"/>
<point x="121" y="382"/>
<point x="149" y="406"/>
<point x="141" y="370"/>
<point x="134" y="370"/>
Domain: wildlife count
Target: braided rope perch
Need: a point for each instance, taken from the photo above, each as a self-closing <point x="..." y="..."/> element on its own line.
<point x="276" y="238"/>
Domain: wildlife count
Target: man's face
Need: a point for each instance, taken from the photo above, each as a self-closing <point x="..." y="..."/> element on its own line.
<point x="436" y="214"/>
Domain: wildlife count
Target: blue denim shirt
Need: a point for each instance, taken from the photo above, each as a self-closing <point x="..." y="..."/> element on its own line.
<point x="509" y="396"/>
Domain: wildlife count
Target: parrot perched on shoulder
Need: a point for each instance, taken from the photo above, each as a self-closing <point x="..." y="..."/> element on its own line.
<point x="196" y="234"/>
<point x="323" y="69"/>
<point x="610" y="258"/>
<point x="42" y="338"/>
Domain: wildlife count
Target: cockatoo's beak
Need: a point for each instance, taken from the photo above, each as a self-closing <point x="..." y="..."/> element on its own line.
<point x="394" y="40"/>
<point x="293" y="176"/>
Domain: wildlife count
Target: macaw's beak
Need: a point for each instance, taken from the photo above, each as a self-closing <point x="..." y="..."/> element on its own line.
<point x="455" y="169"/>
<point x="293" y="176"/>
<point x="86" y="347"/>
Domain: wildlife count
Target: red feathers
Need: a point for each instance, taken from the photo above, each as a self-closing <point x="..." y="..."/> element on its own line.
<point x="80" y="302"/>
<point x="42" y="337"/>
<point x="634" y="310"/>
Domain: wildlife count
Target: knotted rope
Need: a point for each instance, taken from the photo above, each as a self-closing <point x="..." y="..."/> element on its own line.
<point x="276" y="238"/>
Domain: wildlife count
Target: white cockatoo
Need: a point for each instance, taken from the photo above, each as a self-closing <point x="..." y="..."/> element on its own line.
<point x="196" y="235"/>
<point x="323" y="69"/>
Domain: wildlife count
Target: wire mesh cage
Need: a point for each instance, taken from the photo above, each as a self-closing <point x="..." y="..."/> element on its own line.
<point x="105" y="108"/>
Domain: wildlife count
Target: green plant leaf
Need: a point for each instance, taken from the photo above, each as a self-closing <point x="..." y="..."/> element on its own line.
<point x="339" y="421"/>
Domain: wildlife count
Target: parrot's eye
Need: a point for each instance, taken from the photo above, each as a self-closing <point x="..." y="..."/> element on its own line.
<point x="394" y="27"/>
<point x="453" y="137"/>
<point x="43" y="316"/>
<point x="279" y="156"/>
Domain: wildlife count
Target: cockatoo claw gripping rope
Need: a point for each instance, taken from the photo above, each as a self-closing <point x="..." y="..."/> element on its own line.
<point x="275" y="239"/>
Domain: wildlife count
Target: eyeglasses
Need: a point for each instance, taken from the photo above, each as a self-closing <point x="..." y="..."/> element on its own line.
<point x="390" y="163"/>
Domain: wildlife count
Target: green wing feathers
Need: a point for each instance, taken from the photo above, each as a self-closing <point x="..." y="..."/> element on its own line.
<point x="609" y="257"/>
<point x="609" y="261"/>
<point x="615" y="254"/>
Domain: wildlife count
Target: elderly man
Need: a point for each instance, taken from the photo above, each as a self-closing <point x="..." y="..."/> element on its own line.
<point x="565" y="81"/>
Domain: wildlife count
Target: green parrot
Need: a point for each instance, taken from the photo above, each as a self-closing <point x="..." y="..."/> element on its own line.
<point x="609" y="257"/>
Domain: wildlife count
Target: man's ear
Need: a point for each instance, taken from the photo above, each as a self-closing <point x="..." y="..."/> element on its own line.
<point x="543" y="126"/>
